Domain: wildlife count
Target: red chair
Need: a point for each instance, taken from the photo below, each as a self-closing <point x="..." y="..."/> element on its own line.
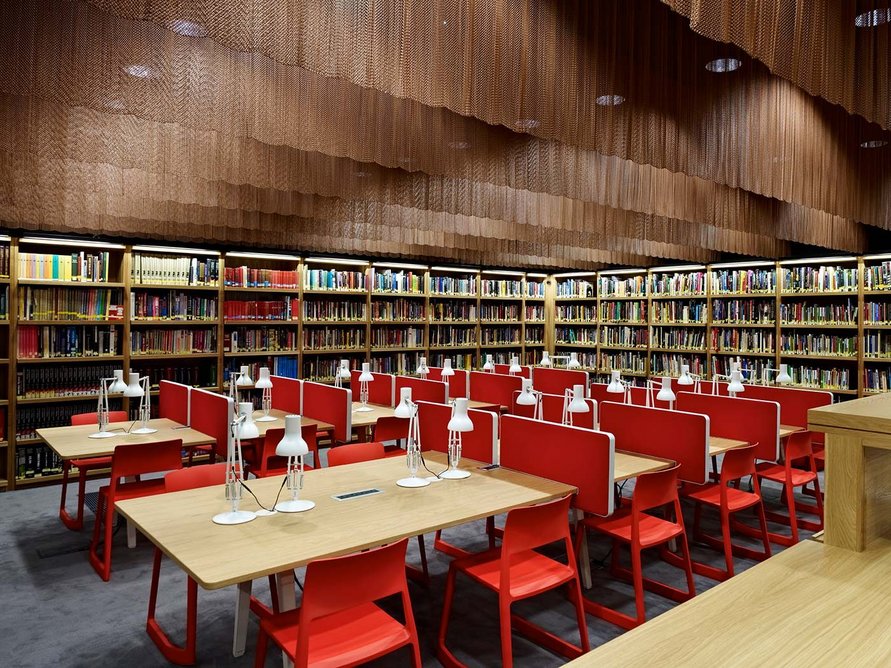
<point x="391" y="428"/>
<point x="265" y="463"/>
<point x="338" y="622"/>
<point x="515" y="571"/>
<point x="738" y="463"/>
<point x="798" y="449"/>
<point x="642" y="530"/>
<point x="83" y="466"/>
<point x="127" y="461"/>
<point x="183" y="655"/>
<point x="366" y="452"/>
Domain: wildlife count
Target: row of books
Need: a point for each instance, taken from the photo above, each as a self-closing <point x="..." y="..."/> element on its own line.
<point x="445" y="335"/>
<point x="454" y="311"/>
<point x="398" y="363"/>
<point x="613" y="286"/>
<point x="4" y="302"/>
<point x="506" y="312"/>
<point x="574" y="288"/>
<point x="283" y="365"/>
<point x="333" y="279"/>
<point x="322" y="369"/>
<point x="535" y="289"/>
<point x="749" y="281"/>
<point x="39" y="381"/>
<point x="670" y="364"/>
<point x="877" y="344"/>
<point x="634" y="337"/>
<point x="333" y="338"/>
<point x="196" y="373"/>
<point x="576" y="335"/>
<point x="819" y="279"/>
<point x="744" y="311"/>
<point x="36" y="461"/>
<point x="70" y="304"/>
<point x="679" y="311"/>
<point x="530" y="357"/>
<point x="4" y="259"/>
<point x="805" y="343"/>
<point x="738" y="339"/>
<point x="501" y="288"/>
<point x="171" y="305"/>
<point x="397" y="337"/>
<point x="580" y="312"/>
<point x="396" y="281"/>
<point x="286" y="308"/>
<point x="821" y="313"/>
<point x="676" y="337"/>
<point x="55" y="341"/>
<point x="678" y="283"/>
<point x="499" y="336"/>
<point x="2" y="424"/>
<point x="877" y="313"/>
<point x="535" y="313"/>
<point x="877" y="276"/>
<point x="534" y="334"/>
<point x="627" y="311"/>
<point x="459" y="360"/>
<point x="449" y="285"/>
<point x="71" y="267"/>
<point x="31" y="418"/>
<point x="179" y="270"/>
<point x="398" y="309"/>
<point x="260" y="339"/>
<point x="752" y="367"/>
<point x="343" y="310"/>
<point x="626" y="361"/>
<point x="173" y="341"/>
<point x="827" y="379"/>
<point x="248" y="277"/>
<point x="877" y="379"/>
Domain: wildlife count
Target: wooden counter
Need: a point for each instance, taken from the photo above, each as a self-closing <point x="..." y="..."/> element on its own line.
<point x="858" y="469"/>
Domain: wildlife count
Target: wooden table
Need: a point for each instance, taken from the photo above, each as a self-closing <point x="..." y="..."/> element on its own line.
<point x="280" y="422"/>
<point x="810" y="605"/>
<point x="219" y="556"/>
<point x="858" y="469"/>
<point x="366" y="419"/>
<point x="786" y="429"/>
<point x="718" y="445"/>
<point x="630" y="465"/>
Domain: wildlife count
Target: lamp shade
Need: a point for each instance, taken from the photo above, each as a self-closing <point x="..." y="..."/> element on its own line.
<point x="292" y="443"/>
<point x="403" y="410"/>
<point x="666" y="393"/>
<point x="264" y="382"/>
<point x="447" y="369"/>
<point x="489" y="365"/>
<point x="546" y="359"/>
<point x="573" y="361"/>
<point x="578" y="403"/>
<point x="244" y="378"/>
<point x="615" y="383"/>
<point x="344" y="371"/>
<point x="134" y="389"/>
<point x="685" y="378"/>
<point x="365" y="376"/>
<point x="783" y="376"/>
<point x="736" y="382"/>
<point x="117" y="385"/>
<point x="248" y="428"/>
<point x="422" y="369"/>
<point x="460" y="421"/>
<point x="526" y="396"/>
<point x="515" y="365"/>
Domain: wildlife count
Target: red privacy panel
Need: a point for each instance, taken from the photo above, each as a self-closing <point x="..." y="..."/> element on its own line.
<point x="552" y="411"/>
<point x="571" y="455"/>
<point x="457" y="383"/>
<point x="173" y="401"/>
<point x="750" y="420"/>
<point x="329" y="404"/>
<point x="495" y="388"/>
<point x="794" y="403"/>
<point x="638" y="395"/>
<point x="380" y="391"/>
<point x="212" y="414"/>
<point x="656" y="432"/>
<point x="287" y="394"/>
<point x="555" y="381"/>
<point x="480" y="444"/>
<point x="422" y="390"/>
<point x="525" y="371"/>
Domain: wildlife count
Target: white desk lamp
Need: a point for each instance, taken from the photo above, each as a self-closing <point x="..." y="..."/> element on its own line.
<point x="459" y="424"/>
<point x="264" y="382"/>
<point x="619" y="386"/>
<point x="294" y="448"/>
<point x="138" y="387"/>
<point x="239" y="379"/>
<point x="489" y="366"/>
<point x="688" y="379"/>
<point x="782" y="373"/>
<point x="447" y="369"/>
<point x="574" y="402"/>
<point x="422" y="369"/>
<point x="234" y="478"/>
<point x="364" y="378"/>
<point x="735" y="385"/>
<point x="247" y="429"/>
<point x="343" y="373"/>
<point x="665" y="393"/>
<point x="573" y="362"/>
<point x="409" y="409"/>
<point x="546" y="360"/>
<point x="113" y="385"/>
<point x="530" y="397"/>
<point x="515" y="367"/>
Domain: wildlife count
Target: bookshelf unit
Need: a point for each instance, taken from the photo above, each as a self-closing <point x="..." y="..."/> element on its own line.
<point x="398" y="316"/>
<point x="535" y="318"/>
<point x="501" y="315"/>
<point x="575" y="317"/>
<point x="7" y="358"/>
<point x="875" y="324"/>
<point x="623" y="338"/>
<point x="454" y="311"/>
<point x="678" y="316"/>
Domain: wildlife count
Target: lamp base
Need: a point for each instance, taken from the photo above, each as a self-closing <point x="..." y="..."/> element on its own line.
<point x="234" y="517"/>
<point x="264" y="513"/>
<point x="295" y="506"/>
<point x="432" y="478"/>
<point x="102" y="434"/>
<point x="144" y="430"/>
<point x="363" y="409"/>
<point x="456" y="474"/>
<point x="266" y="418"/>
<point x="412" y="482"/>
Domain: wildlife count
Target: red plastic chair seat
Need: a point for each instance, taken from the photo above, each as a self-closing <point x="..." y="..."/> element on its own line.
<point x="531" y="573"/>
<point x="777" y="473"/>
<point x="345" y="638"/>
<point x="653" y="530"/>
<point x="737" y="499"/>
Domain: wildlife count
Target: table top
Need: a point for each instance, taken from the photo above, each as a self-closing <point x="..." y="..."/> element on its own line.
<point x="869" y="414"/>
<point x="369" y="418"/>
<point x="812" y="604"/>
<point x="629" y="465"/>
<point x="718" y="445"/>
<point x="73" y="442"/>
<point x="786" y="429"/>
<point x="217" y="556"/>
<point x="280" y="421"/>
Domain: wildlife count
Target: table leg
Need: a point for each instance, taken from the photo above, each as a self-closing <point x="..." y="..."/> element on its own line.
<point x="287" y="597"/>
<point x="242" y="611"/>
<point x="131" y="535"/>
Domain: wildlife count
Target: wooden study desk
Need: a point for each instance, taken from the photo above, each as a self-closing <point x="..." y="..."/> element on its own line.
<point x="218" y="556"/>
<point x="786" y="430"/>
<point x="365" y="419"/>
<point x="858" y="469"/>
<point x="627" y="465"/>
<point x="280" y="422"/>
<point x="810" y="605"/>
<point x="718" y="445"/>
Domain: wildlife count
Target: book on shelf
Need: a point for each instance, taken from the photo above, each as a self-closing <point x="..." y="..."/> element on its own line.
<point x="819" y="279"/>
<point x="678" y="284"/>
<point x="4" y="302"/>
<point x="43" y="382"/>
<point x="535" y="289"/>
<point x="613" y="286"/>
<point x="395" y="309"/>
<point x="820" y="378"/>
<point x="499" y="335"/>
<point x="574" y="288"/>
<point x="4" y="259"/>
<point x="534" y="334"/>
<point x="449" y="285"/>
<point x="196" y="373"/>
<point x="60" y="341"/>
<point x="286" y="308"/>
<point x="877" y="379"/>
<point x="195" y="340"/>
<point x="342" y="310"/>
<point x="576" y="335"/>
<point x="396" y="281"/>
<point x="632" y="337"/>
<point x="876" y="345"/>
<point x="260" y="340"/>
<point x="36" y="461"/>
<point x="877" y="276"/>
<point x="628" y="312"/>
<point x="460" y="360"/>
<point x="323" y="338"/>
<point x="396" y="363"/>
<point x="498" y="311"/>
<point x="171" y="305"/>
<point x="179" y="270"/>
<point x="742" y="340"/>
<point x="669" y="364"/>
<point x="323" y="369"/>
<point x="819" y="313"/>
<point x="448" y="335"/>
<point x="285" y="365"/>
<point x="629" y="361"/>
<point x="333" y="279"/>
<point x="678" y="337"/>
<point x="72" y="267"/>
<point x="809" y="343"/>
<point x="744" y="311"/>
<point x="249" y="277"/>
<point x="680" y="311"/>
<point x="535" y="313"/>
<point x="397" y="337"/>
<point x="876" y="313"/>
<point x="28" y="419"/>
<point x="2" y="424"/>
<point x="752" y="368"/>
<point x="457" y="311"/>
<point x="70" y="304"/>
<point x="744" y="281"/>
<point x="501" y="288"/>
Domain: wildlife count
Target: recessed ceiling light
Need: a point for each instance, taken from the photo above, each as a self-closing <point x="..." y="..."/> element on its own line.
<point x="723" y="65"/>
<point x="526" y="123"/>
<point x="139" y="71"/>
<point x="873" y="18"/>
<point x="188" y="28"/>
<point x="873" y="143"/>
<point x="362" y="174"/>
<point x="459" y="145"/>
<point x="609" y="100"/>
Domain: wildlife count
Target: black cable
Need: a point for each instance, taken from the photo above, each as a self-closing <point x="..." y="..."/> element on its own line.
<point x="438" y="476"/>
<point x="275" y="503"/>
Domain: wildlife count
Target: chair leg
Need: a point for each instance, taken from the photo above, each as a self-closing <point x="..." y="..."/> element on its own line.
<point x="637" y="574"/>
<point x="262" y="645"/>
<point x="442" y="651"/>
<point x="507" y="655"/>
<point x="576" y="593"/>
<point x="184" y="655"/>
<point x="793" y="516"/>
<point x="728" y="545"/>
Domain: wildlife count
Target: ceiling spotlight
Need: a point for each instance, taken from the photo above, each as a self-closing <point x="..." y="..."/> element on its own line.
<point x="609" y="100"/>
<point x="526" y="123"/>
<point x="723" y="65"/>
<point x="873" y="18"/>
<point x="361" y="174"/>
<point x="187" y="28"/>
<point x="459" y="145"/>
<point x="873" y="143"/>
<point x="138" y="71"/>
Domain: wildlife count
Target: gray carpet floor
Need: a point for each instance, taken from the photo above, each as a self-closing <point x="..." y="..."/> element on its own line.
<point x="56" y="611"/>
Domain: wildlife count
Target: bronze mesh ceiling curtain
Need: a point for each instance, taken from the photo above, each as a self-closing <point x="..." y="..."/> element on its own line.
<point x="460" y="130"/>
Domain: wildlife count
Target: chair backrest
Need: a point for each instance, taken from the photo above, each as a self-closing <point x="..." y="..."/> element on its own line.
<point x="457" y="383"/>
<point x="655" y="489"/>
<point x="557" y="381"/>
<point x="480" y="444"/>
<point x="272" y="438"/>
<point x="138" y="458"/>
<point x="212" y="414"/>
<point x="173" y="401"/>
<point x="329" y="404"/>
<point x="195" y="476"/>
<point x="552" y="411"/>
<point x="525" y="371"/>
<point x="390" y="428"/>
<point x="495" y="388"/>
<point x="381" y="391"/>
<point x="798" y="446"/>
<point x="533" y="526"/>
<point x="739" y="463"/>
<point x="353" y="453"/>
<point x="423" y="389"/>
<point x="92" y="418"/>
<point x="287" y="394"/>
